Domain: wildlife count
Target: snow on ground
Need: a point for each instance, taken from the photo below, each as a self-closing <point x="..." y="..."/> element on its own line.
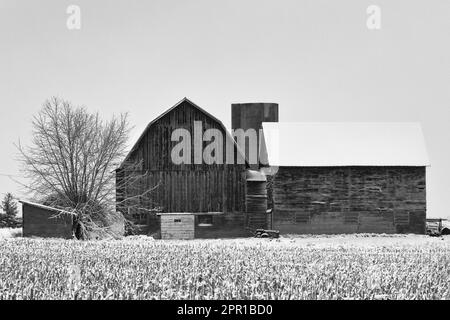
<point x="364" y="240"/>
<point x="314" y="241"/>
<point x="10" y="232"/>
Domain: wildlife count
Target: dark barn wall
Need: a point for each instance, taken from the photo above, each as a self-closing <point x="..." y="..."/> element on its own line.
<point x="227" y="225"/>
<point x="349" y="199"/>
<point x="187" y="187"/>
<point x="45" y="223"/>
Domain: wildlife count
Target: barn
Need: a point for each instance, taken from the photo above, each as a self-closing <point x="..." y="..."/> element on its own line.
<point x="46" y="222"/>
<point x="212" y="195"/>
<point x="346" y="177"/>
<point x="307" y="177"/>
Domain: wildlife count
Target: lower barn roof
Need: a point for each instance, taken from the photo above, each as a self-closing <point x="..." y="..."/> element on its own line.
<point x="315" y="144"/>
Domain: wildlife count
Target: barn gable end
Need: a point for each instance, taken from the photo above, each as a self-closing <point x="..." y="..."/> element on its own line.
<point x="154" y="145"/>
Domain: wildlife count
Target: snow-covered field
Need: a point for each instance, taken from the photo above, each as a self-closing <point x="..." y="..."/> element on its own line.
<point x="361" y="266"/>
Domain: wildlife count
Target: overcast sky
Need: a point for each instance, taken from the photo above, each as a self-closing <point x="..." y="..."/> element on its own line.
<point x="317" y="59"/>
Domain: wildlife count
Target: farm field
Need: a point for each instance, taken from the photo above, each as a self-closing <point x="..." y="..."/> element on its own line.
<point x="301" y="267"/>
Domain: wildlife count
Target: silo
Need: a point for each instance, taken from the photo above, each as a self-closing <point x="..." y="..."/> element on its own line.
<point x="251" y="116"/>
<point x="256" y="214"/>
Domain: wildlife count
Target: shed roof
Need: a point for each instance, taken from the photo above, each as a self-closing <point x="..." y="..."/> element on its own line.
<point x="41" y="206"/>
<point x="313" y="144"/>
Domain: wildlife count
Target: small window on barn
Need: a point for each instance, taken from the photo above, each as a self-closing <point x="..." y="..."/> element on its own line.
<point x="177" y="220"/>
<point x="205" y="220"/>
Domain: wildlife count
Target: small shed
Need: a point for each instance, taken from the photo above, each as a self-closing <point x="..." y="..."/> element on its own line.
<point x="190" y="225"/>
<point x="177" y="226"/>
<point x="46" y="222"/>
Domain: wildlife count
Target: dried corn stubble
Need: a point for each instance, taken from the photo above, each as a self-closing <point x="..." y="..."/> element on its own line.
<point x="223" y="269"/>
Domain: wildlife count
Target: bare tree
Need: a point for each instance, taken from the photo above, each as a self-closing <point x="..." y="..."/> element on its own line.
<point x="135" y="197"/>
<point x="70" y="163"/>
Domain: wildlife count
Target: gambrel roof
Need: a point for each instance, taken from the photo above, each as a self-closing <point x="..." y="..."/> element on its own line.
<point x="135" y="146"/>
<point x="344" y="144"/>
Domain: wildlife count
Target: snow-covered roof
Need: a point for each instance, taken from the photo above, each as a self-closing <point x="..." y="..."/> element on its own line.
<point x="38" y="205"/>
<point x="312" y="144"/>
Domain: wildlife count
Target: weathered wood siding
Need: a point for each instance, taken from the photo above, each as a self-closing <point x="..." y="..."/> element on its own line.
<point x="177" y="226"/>
<point x="185" y="187"/>
<point x="349" y="199"/>
<point x="39" y="222"/>
<point x="231" y="224"/>
<point x="221" y="189"/>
